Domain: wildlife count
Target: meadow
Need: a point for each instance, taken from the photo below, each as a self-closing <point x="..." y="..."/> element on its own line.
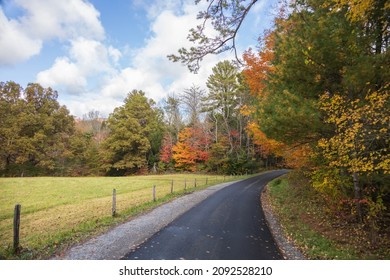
<point x="58" y="212"/>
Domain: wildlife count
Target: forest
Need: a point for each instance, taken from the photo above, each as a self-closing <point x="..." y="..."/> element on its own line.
<point x="314" y="97"/>
<point x="194" y="131"/>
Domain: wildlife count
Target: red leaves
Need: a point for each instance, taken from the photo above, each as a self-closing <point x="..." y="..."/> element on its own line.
<point x="166" y="149"/>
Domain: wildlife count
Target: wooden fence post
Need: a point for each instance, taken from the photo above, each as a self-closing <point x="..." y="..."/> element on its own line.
<point x="195" y="183"/>
<point x="114" y="202"/>
<point x="172" y="186"/>
<point x="154" y="192"/>
<point x="16" y="227"/>
<point x="185" y="184"/>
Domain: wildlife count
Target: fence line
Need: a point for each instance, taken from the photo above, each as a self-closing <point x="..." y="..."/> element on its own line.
<point x="17" y="210"/>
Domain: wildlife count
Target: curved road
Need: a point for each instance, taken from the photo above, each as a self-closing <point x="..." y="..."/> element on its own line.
<point x="230" y="224"/>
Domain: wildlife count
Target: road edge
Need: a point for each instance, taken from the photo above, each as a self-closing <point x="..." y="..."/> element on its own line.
<point x="286" y="247"/>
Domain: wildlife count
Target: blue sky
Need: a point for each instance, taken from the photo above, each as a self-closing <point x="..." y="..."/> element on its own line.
<point x="95" y="52"/>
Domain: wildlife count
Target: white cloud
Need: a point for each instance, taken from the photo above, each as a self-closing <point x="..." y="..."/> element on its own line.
<point x="23" y="37"/>
<point x="61" y="19"/>
<point x="63" y="73"/>
<point x="151" y="71"/>
<point x="15" y="44"/>
<point x="86" y="59"/>
<point x="80" y="105"/>
<point x="115" y="54"/>
<point x="91" y="56"/>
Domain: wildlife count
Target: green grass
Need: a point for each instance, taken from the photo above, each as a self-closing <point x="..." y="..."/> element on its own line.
<point x="305" y="222"/>
<point x="57" y="212"/>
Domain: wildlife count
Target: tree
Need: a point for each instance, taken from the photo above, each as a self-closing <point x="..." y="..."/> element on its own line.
<point x="34" y="130"/>
<point x="226" y="18"/>
<point x="173" y="116"/>
<point x="374" y="14"/>
<point x="362" y="138"/>
<point x="166" y="151"/>
<point x="191" y="149"/>
<point x="91" y="131"/>
<point x="223" y="98"/>
<point x="133" y="128"/>
<point x="93" y="123"/>
<point x="259" y="66"/>
<point x="192" y="100"/>
<point x="84" y="158"/>
<point x="11" y="106"/>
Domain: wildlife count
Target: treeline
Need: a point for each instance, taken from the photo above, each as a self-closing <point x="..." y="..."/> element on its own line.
<point x="196" y="130"/>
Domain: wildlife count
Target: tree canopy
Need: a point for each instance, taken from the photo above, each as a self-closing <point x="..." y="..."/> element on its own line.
<point x="34" y="130"/>
<point x="134" y="127"/>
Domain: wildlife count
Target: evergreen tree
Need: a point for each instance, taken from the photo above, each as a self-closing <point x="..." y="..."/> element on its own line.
<point x="135" y="128"/>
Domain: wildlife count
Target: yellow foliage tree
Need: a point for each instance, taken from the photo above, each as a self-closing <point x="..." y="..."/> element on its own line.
<point x="361" y="140"/>
<point x="362" y="133"/>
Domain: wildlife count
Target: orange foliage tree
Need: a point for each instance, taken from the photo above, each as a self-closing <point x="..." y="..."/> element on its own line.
<point x="191" y="149"/>
<point x="294" y="156"/>
<point x="259" y="66"/>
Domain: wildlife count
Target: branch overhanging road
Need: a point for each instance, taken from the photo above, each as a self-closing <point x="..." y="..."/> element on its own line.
<point x="229" y="224"/>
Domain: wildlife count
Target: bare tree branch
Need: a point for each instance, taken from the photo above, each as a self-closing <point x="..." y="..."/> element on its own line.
<point x="226" y="17"/>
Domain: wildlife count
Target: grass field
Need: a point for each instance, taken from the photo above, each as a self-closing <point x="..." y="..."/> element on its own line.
<point x="57" y="212"/>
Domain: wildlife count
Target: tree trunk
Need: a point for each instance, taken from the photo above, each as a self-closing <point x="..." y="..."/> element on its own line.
<point x="358" y="198"/>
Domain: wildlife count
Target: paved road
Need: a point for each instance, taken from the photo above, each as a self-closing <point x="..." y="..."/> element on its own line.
<point x="229" y="224"/>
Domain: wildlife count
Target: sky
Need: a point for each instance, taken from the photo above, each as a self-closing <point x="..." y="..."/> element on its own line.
<point x="94" y="52"/>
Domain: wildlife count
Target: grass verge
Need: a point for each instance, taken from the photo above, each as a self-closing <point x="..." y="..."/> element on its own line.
<point x="59" y="212"/>
<point x="307" y="222"/>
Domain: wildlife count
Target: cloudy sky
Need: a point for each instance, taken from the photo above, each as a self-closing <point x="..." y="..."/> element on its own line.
<point x="93" y="52"/>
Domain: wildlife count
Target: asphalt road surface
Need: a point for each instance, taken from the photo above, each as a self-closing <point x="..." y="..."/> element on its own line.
<point x="229" y="225"/>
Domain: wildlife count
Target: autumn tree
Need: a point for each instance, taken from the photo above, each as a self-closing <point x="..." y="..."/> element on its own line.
<point x="91" y="131"/>
<point x="191" y="150"/>
<point x="34" y="130"/>
<point x="166" y="151"/>
<point x="134" y="128"/>
<point x="360" y="144"/>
